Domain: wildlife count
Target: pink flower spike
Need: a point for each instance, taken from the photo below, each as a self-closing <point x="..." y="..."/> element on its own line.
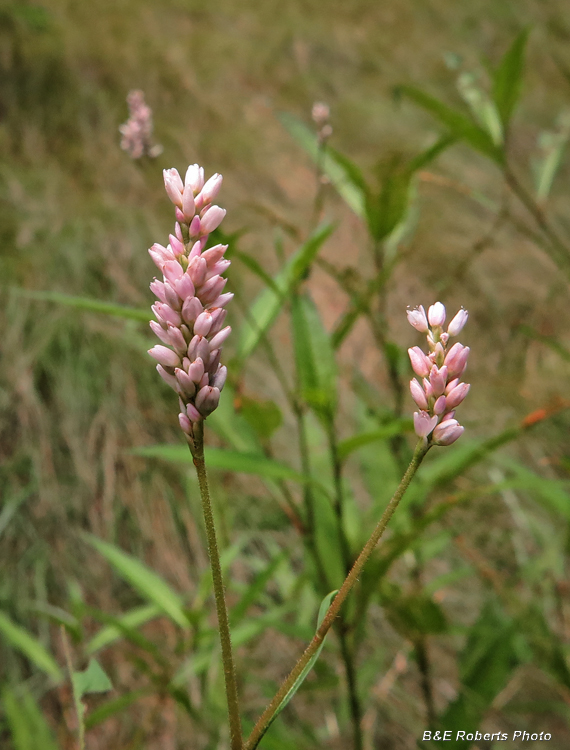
<point x="196" y="250"/>
<point x="172" y="271"/>
<point x="185" y="423"/>
<point x="451" y="385"/>
<point x="212" y="219"/>
<point x="166" y="313"/>
<point x="220" y="337"/>
<point x="197" y="269"/>
<point x="436" y="315"/>
<point x="172" y="299"/>
<point x="458" y="323"/>
<point x="211" y="189"/>
<point x="418" y="394"/>
<point x="177" y="339"/>
<point x="211" y="290"/>
<point x="173" y="185"/>
<point x="164" y="356"/>
<point x="218" y="268"/>
<point x="193" y="413"/>
<point x="447" y="432"/>
<point x="417" y="318"/>
<point x="423" y="423"/>
<point x="420" y="363"/>
<point x="218" y="318"/>
<point x="457" y="395"/>
<point x="194" y="178"/>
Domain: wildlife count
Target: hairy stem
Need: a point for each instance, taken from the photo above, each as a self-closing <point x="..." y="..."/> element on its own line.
<point x="264" y="721"/>
<point x="221" y="608"/>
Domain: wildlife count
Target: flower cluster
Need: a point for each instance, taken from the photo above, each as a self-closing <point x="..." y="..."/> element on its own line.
<point x="440" y="370"/>
<point x="190" y="308"/>
<point x="137" y="130"/>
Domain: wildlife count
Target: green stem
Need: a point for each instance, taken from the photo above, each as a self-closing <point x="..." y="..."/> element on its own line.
<point x="221" y="609"/>
<point x="265" y="719"/>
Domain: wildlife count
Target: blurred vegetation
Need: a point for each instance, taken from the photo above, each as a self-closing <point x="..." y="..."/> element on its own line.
<point x="461" y="621"/>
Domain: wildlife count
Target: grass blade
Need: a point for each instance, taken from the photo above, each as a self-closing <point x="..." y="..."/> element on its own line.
<point x="20" y="639"/>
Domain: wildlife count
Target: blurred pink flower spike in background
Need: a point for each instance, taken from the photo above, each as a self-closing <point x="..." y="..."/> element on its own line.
<point x="137" y="130"/>
<point x="440" y="391"/>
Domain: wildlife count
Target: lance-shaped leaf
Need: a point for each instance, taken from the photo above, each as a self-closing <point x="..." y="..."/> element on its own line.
<point x="27" y="725"/>
<point x="268" y="304"/>
<point x="23" y="641"/>
<point x="148" y="583"/>
<point x="507" y="78"/>
<point x="89" y="305"/>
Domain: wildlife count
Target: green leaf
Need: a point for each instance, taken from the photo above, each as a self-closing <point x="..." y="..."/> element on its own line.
<point x="225" y="460"/>
<point x="90" y="305"/>
<point x="314" y="357"/>
<point x="130" y="620"/>
<point x="19" y="638"/>
<point x="268" y="304"/>
<point x="111" y="708"/>
<point x="323" y="609"/>
<point x="143" y="579"/>
<point x="414" y="616"/>
<point x="232" y="426"/>
<point x="343" y="174"/>
<point x="458" y="124"/>
<point x="397" y="427"/>
<point x="256" y="588"/>
<point x="507" y="78"/>
<point x="27" y="724"/>
<point x="91" y="680"/>
<point x="257" y="269"/>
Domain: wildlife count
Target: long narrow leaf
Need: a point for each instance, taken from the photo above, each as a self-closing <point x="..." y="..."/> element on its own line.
<point x="19" y="638"/>
<point x="29" y="728"/>
<point x="150" y="585"/>
<point x="507" y="79"/>
<point x="90" y="305"/>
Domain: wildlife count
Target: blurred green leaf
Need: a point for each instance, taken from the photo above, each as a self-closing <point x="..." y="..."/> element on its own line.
<point x="256" y="268"/>
<point x="232" y="426"/>
<point x="263" y="416"/>
<point x="327" y="540"/>
<point x="507" y="78"/>
<point x="23" y="641"/>
<point x="267" y="306"/>
<point x="90" y="305"/>
<point x="91" y="680"/>
<point x="11" y="505"/>
<point x="256" y="588"/>
<point x="29" y="728"/>
<point x="414" y="616"/>
<point x="111" y="708"/>
<point x="225" y="460"/>
<point x="143" y="579"/>
<point x="552" y="145"/>
<point x="130" y="620"/>
<point x="458" y="124"/>
<point x="314" y="357"/>
<point x="397" y="427"/>
<point x="343" y="174"/>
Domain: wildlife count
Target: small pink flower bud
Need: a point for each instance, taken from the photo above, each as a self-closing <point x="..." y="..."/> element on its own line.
<point x="196" y="370"/>
<point x="188" y="205"/>
<point x="172" y="299"/>
<point x="218" y="318"/>
<point x="210" y="291"/>
<point x="423" y="423"/>
<point x="194" y="228"/>
<point x="167" y="314"/>
<point x="164" y="356"/>
<point x="184" y="287"/>
<point x="214" y="254"/>
<point x="417" y="318"/>
<point x="185" y="423"/>
<point x="214" y="363"/>
<point x="177" y="340"/>
<point x="444" y="338"/>
<point x="193" y="413"/>
<point x="458" y="323"/>
<point x="203" y="323"/>
<point x="220" y="337"/>
<point x="191" y="308"/>
<point x="197" y="269"/>
<point x="456" y="359"/>
<point x="219" y="378"/>
<point x="451" y="385"/>
<point x="173" y="185"/>
<point x="447" y="432"/>
<point x="211" y="219"/>
<point x="211" y="189"/>
<point x="187" y="385"/>
<point x="457" y="395"/>
<point x="440" y="405"/>
<point x="207" y="400"/>
<point x="176" y="245"/>
<point x="218" y="268"/>
<point x="428" y="389"/>
<point x="204" y="380"/>
<point x="160" y="332"/>
<point x="223" y="300"/>
<point x="194" y="178"/>
<point x="436" y="315"/>
<point x="196" y="250"/>
<point x="420" y="363"/>
<point x="199" y="347"/>
<point x="418" y="394"/>
<point x="178" y="231"/>
<point x="438" y="379"/>
<point x="157" y="288"/>
<point x="167" y="377"/>
<point x="172" y="271"/>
